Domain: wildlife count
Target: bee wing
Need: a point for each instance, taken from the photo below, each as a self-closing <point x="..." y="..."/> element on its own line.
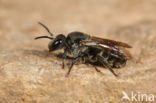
<point x="95" y="44"/>
<point x="117" y="50"/>
<point x="110" y="42"/>
<point x="127" y="53"/>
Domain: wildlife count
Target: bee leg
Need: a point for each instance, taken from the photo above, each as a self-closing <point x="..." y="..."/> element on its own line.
<point x="98" y="70"/>
<point x="73" y="62"/>
<point x="105" y="63"/>
<point x="64" y="56"/>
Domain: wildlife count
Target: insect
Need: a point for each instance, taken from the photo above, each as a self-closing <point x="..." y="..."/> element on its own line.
<point x="81" y="46"/>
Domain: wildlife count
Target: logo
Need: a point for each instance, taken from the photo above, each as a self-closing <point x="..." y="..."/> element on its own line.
<point x="140" y="97"/>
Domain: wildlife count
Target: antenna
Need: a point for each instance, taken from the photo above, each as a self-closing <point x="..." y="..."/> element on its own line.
<point x="40" y="37"/>
<point x="46" y="28"/>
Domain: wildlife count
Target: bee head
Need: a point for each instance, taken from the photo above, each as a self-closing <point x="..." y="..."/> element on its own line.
<point x="57" y="43"/>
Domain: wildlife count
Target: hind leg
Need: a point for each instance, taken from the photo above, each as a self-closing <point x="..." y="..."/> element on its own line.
<point x="105" y="63"/>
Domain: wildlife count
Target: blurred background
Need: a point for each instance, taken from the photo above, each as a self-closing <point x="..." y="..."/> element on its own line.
<point x="19" y="19"/>
<point x="28" y="73"/>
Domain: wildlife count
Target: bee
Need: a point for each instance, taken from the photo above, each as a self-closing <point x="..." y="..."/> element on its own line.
<point x="109" y="53"/>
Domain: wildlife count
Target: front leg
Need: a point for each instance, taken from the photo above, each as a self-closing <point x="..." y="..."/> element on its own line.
<point x="64" y="57"/>
<point x="73" y="62"/>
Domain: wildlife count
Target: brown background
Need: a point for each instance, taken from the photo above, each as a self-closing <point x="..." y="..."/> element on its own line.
<point x="29" y="74"/>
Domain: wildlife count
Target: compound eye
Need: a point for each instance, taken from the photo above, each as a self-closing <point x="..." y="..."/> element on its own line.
<point x="55" y="45"/>
<point x="58" y="42"/>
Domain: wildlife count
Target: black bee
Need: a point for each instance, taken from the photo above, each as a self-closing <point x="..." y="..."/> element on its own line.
<point x="84" y="47"/>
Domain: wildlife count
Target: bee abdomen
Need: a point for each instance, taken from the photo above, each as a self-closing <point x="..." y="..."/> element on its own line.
<point x="115" y="61"/>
